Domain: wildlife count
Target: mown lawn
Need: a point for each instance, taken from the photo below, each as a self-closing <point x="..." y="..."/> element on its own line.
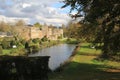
<point x="85" y="49"/>
<point x="6" y="51"/>
<point x="85" y="67"/>
<point x="13" y="52"/>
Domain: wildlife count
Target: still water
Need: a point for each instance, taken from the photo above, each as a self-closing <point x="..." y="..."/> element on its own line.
<point x="58" y="54"/>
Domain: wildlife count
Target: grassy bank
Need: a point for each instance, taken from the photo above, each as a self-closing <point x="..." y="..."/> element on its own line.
<point x="22" y="51"/>
<point x="69" y="41"/>
<point x="31" y="46"/>
<point x="85" y="49"/>
<point x="14" y="52"/>
<point x="85" y="67"/>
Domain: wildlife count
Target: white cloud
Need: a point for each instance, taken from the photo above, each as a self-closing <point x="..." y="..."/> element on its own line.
<point x="12" y="19"/>
<point x="26" y="5"/>
<point x="33" y="11"/>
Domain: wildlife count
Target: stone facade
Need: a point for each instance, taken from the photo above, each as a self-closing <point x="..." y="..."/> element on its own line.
<point x="35" y="33"/>
<point x="52" y="33"/>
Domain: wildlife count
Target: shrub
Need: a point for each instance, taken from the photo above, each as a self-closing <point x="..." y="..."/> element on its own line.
<point x="37" y="40"/>
<point x="17" y="43"/>
<point x="26" y="45"/>
<point x="20" y="46"/>
<point x="1" y="52"/>
<point x="35" y="48"/>
<point x="44" y="39"/>
<point x="5" y="44"/>
<point x="23" y="41"/>
<point x="60" y="37"/>
<point x="13" y="42"/>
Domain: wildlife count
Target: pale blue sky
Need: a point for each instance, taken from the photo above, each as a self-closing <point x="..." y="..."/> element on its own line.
<point x="9" y="2"/>
<point x="59" y="5"/>
<point x="31" y="11"/>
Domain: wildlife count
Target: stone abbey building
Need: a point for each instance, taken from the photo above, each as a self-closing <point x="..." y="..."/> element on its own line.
<point x="31" y="32"/>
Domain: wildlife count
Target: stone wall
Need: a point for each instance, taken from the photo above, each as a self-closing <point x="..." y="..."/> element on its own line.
<point x="28" y="32"/>
<point x="51" y="33"/>
<point x="54" y="33"/>
<point x="31" y="32"/>
<point x="23" y="68"/>
<point x="35" y="33"/>
<point x="25" y="33"/>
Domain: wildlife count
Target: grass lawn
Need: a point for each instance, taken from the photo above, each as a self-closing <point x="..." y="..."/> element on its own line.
<point x="84" y="67"/>
<point x="13" y="52"/>
<point x="6" y="51"/>
<point x="86" y="50"/>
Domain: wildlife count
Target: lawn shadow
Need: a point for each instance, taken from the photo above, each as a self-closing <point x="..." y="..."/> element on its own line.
<point x="92" y="72"/>
<point x="84" y="71"/>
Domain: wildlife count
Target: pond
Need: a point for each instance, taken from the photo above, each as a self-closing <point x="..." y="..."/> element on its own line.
<point x="58" y="54"/>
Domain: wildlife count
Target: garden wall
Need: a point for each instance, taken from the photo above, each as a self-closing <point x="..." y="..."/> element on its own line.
<point x="23" y="68"/>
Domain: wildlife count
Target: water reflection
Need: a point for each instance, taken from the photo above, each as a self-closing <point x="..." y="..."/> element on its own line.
<point x="58" y="54"/>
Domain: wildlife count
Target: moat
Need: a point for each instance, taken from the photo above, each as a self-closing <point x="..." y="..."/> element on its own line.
<point x="58" y="54"/>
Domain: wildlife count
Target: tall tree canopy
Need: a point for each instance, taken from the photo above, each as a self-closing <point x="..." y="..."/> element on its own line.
<point x="38" y="25"/>
<point x="71" y="30"/>
<point x="20" y="23"/>
<point x="104" y="14"/>
<point x="4" y="27"/>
